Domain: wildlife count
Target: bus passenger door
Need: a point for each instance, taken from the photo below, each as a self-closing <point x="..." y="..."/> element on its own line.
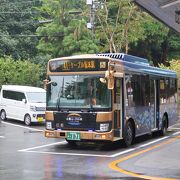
<point x="118" y="92"/>
<point x="157" y="103"/>
<point x="154" y="104"/>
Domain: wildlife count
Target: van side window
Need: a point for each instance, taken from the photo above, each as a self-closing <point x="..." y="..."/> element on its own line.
<point x="7" y="94"/>
<point x="18" y="96"/>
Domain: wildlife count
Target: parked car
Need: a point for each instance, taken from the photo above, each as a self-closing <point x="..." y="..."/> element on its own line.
<point x="22" y="103"/>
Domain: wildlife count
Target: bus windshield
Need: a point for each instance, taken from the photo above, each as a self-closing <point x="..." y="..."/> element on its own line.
<point x="77" y="91"/>
<point x="36" y="97"/>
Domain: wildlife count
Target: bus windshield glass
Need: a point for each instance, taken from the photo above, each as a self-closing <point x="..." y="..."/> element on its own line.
<point x="78" y="91"/>
<point x="36" y="97"/>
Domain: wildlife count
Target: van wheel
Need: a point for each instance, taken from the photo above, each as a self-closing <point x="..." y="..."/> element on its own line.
<point x="3" y="115"/>
<point x="128" y="134"/>
<point x="27" y="120"/>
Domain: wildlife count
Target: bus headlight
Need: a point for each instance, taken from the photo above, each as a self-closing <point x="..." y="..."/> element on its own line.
<point x="49" y="125"/>
<point x="104" y="127"/>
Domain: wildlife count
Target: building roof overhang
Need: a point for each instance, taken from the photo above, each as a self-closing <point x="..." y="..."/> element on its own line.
<point x="167" y="11"/>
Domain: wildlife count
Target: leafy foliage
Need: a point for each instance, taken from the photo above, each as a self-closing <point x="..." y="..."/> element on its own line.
<point x="19" y="72"/>
<point x="119" y="24"/>
<point x="174" y="65"/>
<point x="60" y="29"/>
<point x="67" y="33"/>
<point x="18" y="25"/>
<point x="158" y="45"/>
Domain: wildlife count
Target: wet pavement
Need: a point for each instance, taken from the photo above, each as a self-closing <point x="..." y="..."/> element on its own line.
<point x="25" y="154"/>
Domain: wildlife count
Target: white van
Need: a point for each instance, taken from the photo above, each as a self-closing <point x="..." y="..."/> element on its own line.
<point x="22" y="103"/>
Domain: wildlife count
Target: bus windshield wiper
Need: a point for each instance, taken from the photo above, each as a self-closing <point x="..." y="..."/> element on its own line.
<point x="58" y="100"/>
<point x="91" y="109"/>
<point x="64" y="109"/>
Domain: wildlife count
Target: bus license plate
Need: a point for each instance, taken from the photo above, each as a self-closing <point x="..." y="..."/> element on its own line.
<point x="73" y="136"/>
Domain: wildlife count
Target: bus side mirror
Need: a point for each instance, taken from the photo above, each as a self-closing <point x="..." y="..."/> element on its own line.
<point x="111" y="83"/>
<point x="103" y="80"/>
<point x="110" y="79"/>
<point x="46" y="82"/>
<point x="54" y="83"/>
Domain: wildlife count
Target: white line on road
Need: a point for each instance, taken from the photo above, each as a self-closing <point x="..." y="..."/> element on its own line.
<point x="2" y="137"/>
<point x="95" y="155"/>
<point x="46" y="145"/>
<point x="123" y="152"/>
<point x="176" y="133"/>
<point x="152" y="142"/>
<point x="69" y="154"/>
<point x="174" y="128"/>
<point x="33" y="129"/>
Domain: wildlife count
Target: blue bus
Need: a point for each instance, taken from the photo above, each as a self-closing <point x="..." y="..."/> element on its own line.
<point x="108" y="97"/>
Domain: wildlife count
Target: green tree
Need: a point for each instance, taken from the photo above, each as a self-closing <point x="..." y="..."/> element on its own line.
<point x="174" y="65"/>
<point x="67" y="33"/>
<point x="18" y="26"/>
<point x="19" y="72"/>
<point x="119" y="24"/>
<point x="160" y="44"/>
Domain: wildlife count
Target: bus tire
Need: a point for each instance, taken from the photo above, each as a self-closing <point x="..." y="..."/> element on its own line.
<point x="27" y="120"/>
<point x="164" y="127"/>
<point x="3" y="115"/>
<point x="71" y="143"/>
<point x="128" y="134"/>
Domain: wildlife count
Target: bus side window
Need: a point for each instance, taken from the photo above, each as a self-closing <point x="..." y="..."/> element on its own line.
<point x="138" y="91"/>
<point x="129" y="91"/>
<point x="163" y="91"/>
<point x="145" y="90"/>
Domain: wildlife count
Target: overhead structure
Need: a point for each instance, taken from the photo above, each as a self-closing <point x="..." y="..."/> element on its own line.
<point x="167" y="11"/>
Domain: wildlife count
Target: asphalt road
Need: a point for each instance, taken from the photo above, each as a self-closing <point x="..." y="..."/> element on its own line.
<point x="25" y="154"/>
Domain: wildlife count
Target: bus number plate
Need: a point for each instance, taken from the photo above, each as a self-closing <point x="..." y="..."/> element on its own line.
<point x="73" y="136"/>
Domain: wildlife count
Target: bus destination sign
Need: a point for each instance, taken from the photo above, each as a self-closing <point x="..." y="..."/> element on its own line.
<point x="76" y="65"/>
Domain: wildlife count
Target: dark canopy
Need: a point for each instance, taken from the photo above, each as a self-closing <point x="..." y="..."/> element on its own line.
<point x="167" y="11"/>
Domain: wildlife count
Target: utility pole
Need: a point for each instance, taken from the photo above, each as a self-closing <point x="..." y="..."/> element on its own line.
<point x="93" y="5"/>
<point x="90" y="24"/>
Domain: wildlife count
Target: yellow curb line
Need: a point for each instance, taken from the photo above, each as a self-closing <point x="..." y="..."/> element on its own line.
<point x="114" y="165"/>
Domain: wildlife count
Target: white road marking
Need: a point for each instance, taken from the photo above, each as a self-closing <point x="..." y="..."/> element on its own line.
<point x="174" y="128"/>
<point x="33" y="129"/>
<point x="123" y="152"/>
<point x="152" y="142"/>
<point x="46" y="145"/>
<point x="32" y="150"/>
<point x="69" y="154"/>
<point x="176" y="133"/>
<point x="173" y="125"/>
<point x="2" y="137"/>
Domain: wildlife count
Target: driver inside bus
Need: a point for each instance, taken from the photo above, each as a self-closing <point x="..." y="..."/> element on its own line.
<point x="91" y="94"/>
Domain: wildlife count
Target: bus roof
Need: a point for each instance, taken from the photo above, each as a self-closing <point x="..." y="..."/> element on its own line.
<point x="138" y="64"/>
<point x="22" y="88"/>
<point x="129" y="62"/>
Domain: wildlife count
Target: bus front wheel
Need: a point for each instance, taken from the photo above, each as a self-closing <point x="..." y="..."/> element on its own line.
<point x="128" y="134"/>
<point x="71" y="143"/>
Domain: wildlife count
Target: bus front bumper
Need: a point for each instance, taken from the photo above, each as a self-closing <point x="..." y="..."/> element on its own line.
<point x="84" y="135"/>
